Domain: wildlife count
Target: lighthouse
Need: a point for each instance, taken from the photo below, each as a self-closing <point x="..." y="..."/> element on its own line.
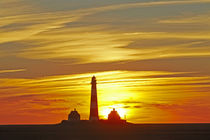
<point x="94" y="102"/>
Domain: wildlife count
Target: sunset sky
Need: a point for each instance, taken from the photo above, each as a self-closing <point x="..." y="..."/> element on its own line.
<point x="151" y="59"/>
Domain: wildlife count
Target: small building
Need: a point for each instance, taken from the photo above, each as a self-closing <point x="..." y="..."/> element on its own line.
<point x="113" y="115"/>
<point x="114" y="118"/>
<point x="74" y="116"/>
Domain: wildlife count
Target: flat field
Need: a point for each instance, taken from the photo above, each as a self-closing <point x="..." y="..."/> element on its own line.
<point x="106" y="132"/>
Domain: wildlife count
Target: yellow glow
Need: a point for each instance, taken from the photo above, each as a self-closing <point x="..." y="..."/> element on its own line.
<point x="104" y="111"/>
<point x="112" y="44"/>
<point x="135" y="95"/>
<point x="60" y="37"/>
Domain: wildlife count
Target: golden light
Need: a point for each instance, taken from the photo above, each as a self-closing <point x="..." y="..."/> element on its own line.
<point x="107" y="109"/>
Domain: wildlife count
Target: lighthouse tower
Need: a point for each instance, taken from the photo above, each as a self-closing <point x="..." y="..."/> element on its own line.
<point x="94" y="102"/>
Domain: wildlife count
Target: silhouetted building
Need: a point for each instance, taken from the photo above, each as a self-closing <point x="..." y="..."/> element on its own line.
<point x="94" y="102"/>
<point x="74" y="116"/>
<point x="113" y="115"/>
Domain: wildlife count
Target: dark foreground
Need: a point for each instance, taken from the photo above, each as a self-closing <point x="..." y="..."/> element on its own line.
<point x="107" y="132"/>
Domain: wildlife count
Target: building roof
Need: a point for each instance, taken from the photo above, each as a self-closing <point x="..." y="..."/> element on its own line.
<point x="74" y="115"/>
<point x="113" y="115"/>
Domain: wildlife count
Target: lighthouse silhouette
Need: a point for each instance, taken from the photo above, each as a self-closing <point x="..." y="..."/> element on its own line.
<point x="94" y="102"/>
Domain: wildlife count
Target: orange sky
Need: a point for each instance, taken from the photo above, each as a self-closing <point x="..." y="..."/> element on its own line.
<point x="151" y="59"/>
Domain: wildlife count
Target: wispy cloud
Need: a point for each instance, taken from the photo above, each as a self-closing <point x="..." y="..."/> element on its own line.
<point x="143" y="4"/>
<point x="11" y="71"/>
<point x="49" y="36"/>
<point x="108" y="46"/>
<point x="32" y="25"/>
<point x="200" y="19"/>
<point x="128" y="90"/>
<point x="16" y="7"/>
<point x="73" y="37"/>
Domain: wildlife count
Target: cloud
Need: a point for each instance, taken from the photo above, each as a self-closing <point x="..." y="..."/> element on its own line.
<point x="85" y="45"/>
<point x="47" y="36"/>
<point x="11" y="71"/>
<point x="16" y="7"/>
<point x="144" y="4"/>
<point x="199" y="19"/>
<point x="130" y="90"/>
<point x="182" y="111"/>
<point x="61" y="38"/>
<point x="42" y="22"/>
<point x="97" y="45"/>
<point x="121" y="80"/>
<point x="47" y="102"/>
<point x="33" y="24"/>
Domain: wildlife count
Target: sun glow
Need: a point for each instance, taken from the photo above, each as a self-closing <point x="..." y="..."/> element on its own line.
<point x="107" y="109"/>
